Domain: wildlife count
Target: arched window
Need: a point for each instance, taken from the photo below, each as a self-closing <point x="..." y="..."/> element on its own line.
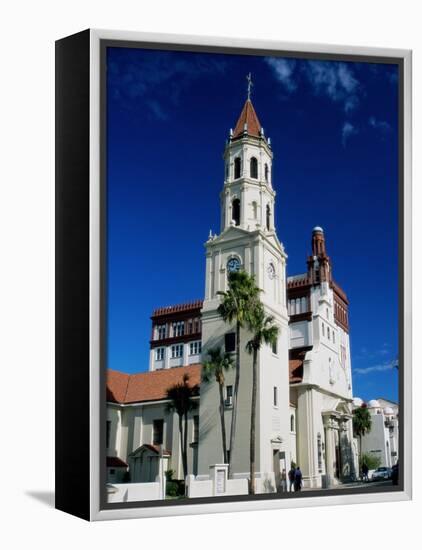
<point x="268" y="217"/>
<point x="292" y="423"/>
<point x="267" y="172"/>
<point x="236" y="211"/>
<point x="254" y="210"/>
<point x="254" y="168"/>
<point x="237" y="166"/>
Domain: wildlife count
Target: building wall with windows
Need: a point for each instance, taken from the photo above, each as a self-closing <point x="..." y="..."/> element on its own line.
<point x="307" y="375"/>
<point x="382" y="441"/>
<point x="141" y="418"/>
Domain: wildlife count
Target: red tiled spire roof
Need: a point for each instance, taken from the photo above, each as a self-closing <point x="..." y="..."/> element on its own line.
<point x="248" y="116"/>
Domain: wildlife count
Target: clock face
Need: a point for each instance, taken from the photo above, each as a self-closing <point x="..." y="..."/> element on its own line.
<point x="233" y="265"/>
<point x="271" y="271"/>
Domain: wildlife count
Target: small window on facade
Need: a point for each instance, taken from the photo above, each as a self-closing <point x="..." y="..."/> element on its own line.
<point x="266" y="173"/>
<point x="292" y="423"/>
<point x="254" y="168"/>
<point x="268" y="217"/>
<point x="254" y="210"/>
<point x="327" y="313"/>
<point x="236" y="211"/>
<point x="161" y="332"/>
<point x="328" y="333"/>
<point x="275" y="396"/>
<point x="195" y="348"/>
<point x="334" y="337"/>
<point x="227" y="170"/>
<point x="157" y="431"/>
<point x="230" y="342"/>
<point x="159" y="354"/>
<point x="274" y="347"/>
<point x="229" y="395"/>
<point x="237" y="167"/>
<point x="195" y="438"/>
<point x="179" y="328"/>
<point x="323" y="329"/>
<point x="108" y="433"/>
<point x="176" y="351"/>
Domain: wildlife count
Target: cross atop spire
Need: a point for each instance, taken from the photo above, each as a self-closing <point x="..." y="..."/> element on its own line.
<point x="250" y="84"/>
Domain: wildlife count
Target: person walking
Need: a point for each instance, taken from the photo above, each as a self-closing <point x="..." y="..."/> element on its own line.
<point x="298" y="479"/>
<point x="291" y="476"/>
<point x="283" y="481"/>
<point x="365" y="471"/>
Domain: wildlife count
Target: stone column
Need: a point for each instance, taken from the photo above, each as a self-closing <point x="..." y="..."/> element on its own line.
<point x="306" y="437"/>
<point x="329" y="451"/>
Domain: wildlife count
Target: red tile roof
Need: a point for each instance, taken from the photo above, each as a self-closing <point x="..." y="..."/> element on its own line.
<point x="296" y="358"/>
<point x="115" y="462"/>
<point x="148" y="386"/>
<point x="179" y="307"/>
<point x="248" y="116"/>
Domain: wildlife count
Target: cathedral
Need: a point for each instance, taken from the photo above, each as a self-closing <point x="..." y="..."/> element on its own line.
<point x="304" y="399"/>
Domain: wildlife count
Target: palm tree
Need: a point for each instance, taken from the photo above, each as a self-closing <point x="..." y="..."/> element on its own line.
<point x="235" y="306"/>
<point x="263" y="331"/>
<point x="215" y="367"/>
<point x="182" y="402"/>
<point x="362" y="423"/>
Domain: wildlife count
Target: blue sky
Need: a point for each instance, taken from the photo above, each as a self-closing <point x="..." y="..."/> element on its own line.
<point x="334" y="132"/>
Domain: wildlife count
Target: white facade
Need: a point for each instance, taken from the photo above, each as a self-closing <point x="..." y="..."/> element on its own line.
<point x="382" y="441"/>
<point x="304" y="395"/>
<point x="248" y="236"/>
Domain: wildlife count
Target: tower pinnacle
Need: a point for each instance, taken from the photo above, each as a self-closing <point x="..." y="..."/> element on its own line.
<point x="250" y="84"/>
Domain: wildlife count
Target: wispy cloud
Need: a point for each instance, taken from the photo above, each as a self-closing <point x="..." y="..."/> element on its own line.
<point x="347" y="131"/>
<point x="377" y="368"/>
<point x="377" y="124"/>
<point x="283" y="71"/>
<point x="156" y="79"/>
<point x="335" y="81"/>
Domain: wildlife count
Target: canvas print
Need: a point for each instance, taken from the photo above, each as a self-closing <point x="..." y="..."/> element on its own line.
<point x="252" y="276"/>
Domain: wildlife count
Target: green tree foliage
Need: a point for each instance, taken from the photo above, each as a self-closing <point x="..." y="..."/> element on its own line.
<point x="236" y="305"/>
<point x="372" y="462"/>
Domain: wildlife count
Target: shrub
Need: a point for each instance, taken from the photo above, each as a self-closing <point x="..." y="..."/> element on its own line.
<point x="373" y="462"/>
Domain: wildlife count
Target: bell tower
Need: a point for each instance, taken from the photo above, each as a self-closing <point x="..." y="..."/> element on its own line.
<point x="247" y="199"/>
<point x="247" y="241"/>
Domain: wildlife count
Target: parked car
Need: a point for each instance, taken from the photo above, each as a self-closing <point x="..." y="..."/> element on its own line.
<point x="395" y="474"/>
<point x="381" y="473"/>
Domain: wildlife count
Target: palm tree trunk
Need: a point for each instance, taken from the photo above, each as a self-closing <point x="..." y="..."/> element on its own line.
<point x="253" y="421"/>
<point x="223" y="424"/>
<point x="182" y="452"/>
<point x="235" y="393"/>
